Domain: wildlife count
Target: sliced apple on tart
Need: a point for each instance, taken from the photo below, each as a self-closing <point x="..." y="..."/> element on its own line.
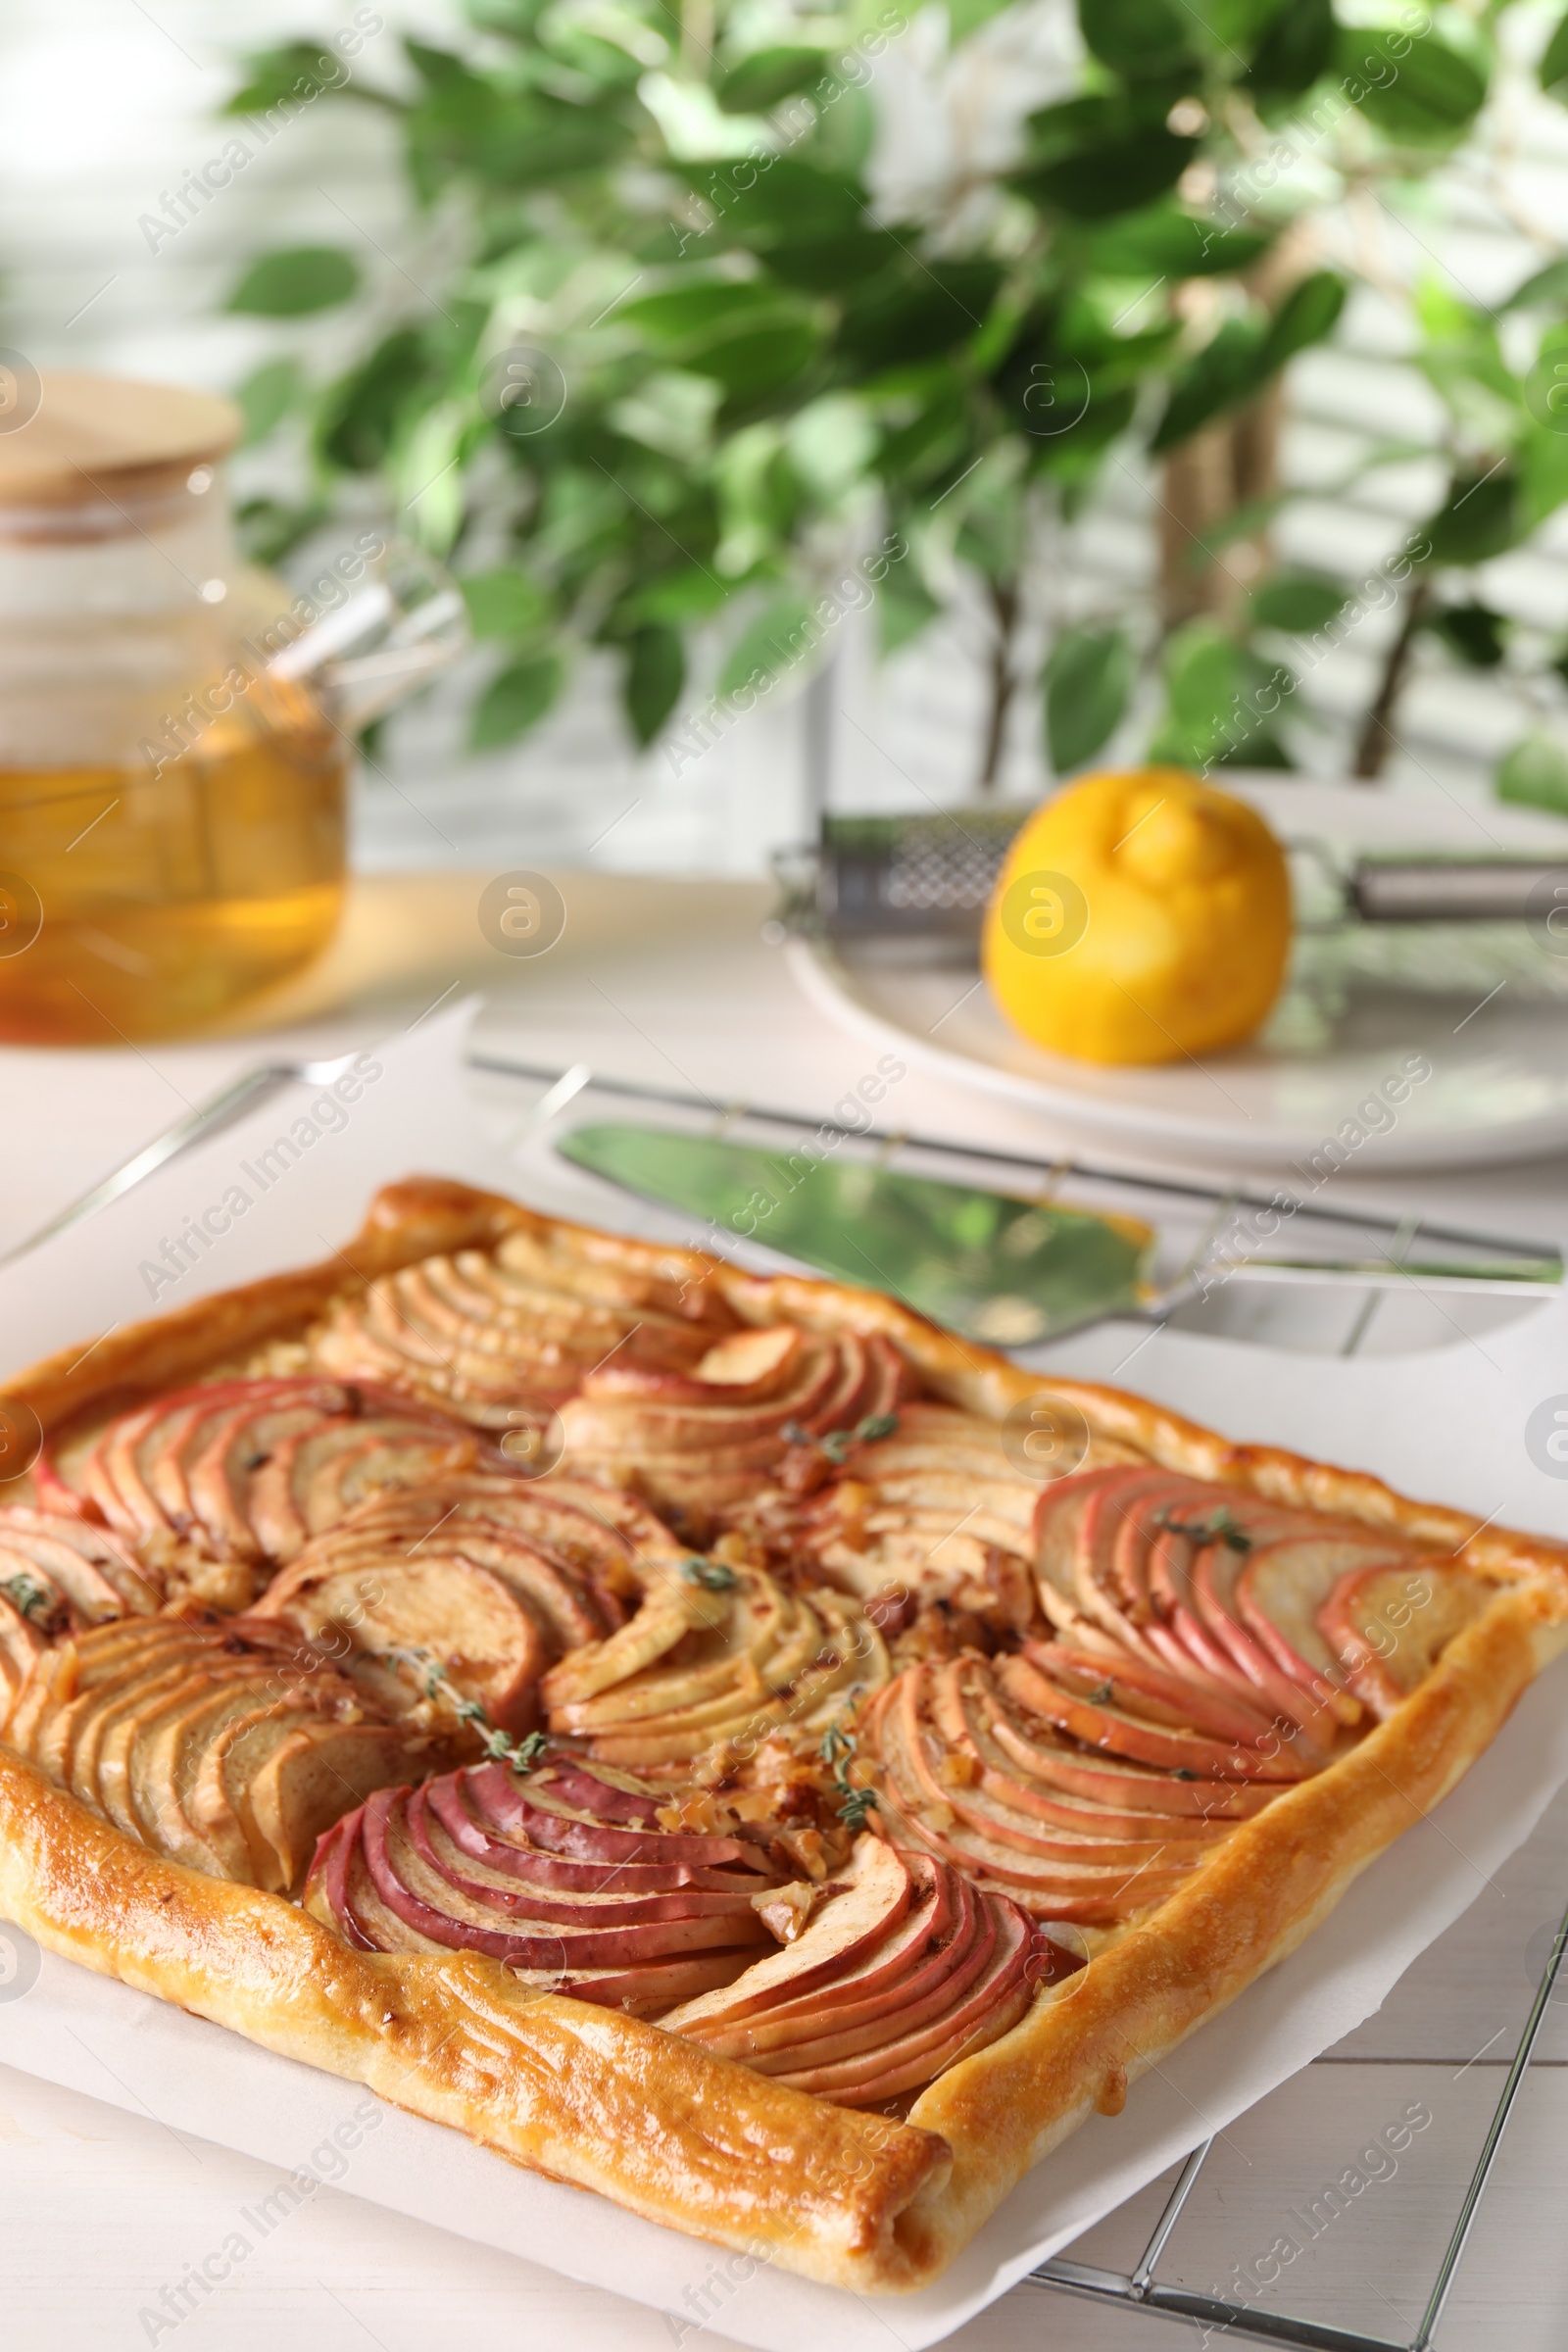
<point x="247" y="1470"/>
<point x="479" y="1334"/>
<point x="699" y="1439"/>
<point x="903" y="1967"/>
<point x="567" y="1874"/>
<point x="762" y="1660"/>
<point x="224" y="1744"/>
<point x="487" y="1578"/>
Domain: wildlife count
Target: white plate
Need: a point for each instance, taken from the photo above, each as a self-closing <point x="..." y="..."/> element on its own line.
<point x="1483" y="1007"/>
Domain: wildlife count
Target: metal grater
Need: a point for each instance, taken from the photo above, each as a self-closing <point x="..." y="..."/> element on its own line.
<point x="929" y="877"/>
<point x="911" y="876"/>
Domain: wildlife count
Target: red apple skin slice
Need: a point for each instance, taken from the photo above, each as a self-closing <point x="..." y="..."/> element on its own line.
<point x="528" y="1899"/>
<point x="340" y="1894"/>
<point x="903" y="2013"/>
<point x="910" y="2038"/>
<point x="1080" y="1892"/>
<point x="1135" y="1520"/>
<point x="809" y="2033"/>
<point x="1141" y="1688"/>
<point x="901" y="1966"/>
<point x="1148" y="1564"/>
<point x="1058" y="1518"/>
<point x="96" y="1574"/>
<point x="1434" y="1599"/>
<point x="1112" y="1779"/>
<point x="875" y="1896"/>
<point x="137" y="1472"/>
<point x="554" y="1950"/>
<point x="1109" y="1729"/>
<point x="992" y="1821"/>
<point x="968" y="1707"/>
<point x="1102" y="1580"/>
<point x="529" y="1865"/>
<point x="464" y="1894"/>
<point x="326" y="1895"/>
<point x="576" y="1782"/>
<point x="1215" y="1567"/>
<point x="217" y="1470"/>
<point x="503" y="1802"/>
<point x="1100" y="1517"/>
<point x="1284" y="1584"/>
<point x="992" y="2007"/>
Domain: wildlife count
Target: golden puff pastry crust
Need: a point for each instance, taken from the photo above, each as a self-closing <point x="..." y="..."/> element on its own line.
<point x="653" y="2120"/>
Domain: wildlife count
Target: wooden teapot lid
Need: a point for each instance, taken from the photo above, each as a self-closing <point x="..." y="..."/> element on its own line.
<point x="68" y="439"/>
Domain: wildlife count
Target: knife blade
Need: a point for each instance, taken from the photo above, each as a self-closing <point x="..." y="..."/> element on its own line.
<point x="991" y="1266"/>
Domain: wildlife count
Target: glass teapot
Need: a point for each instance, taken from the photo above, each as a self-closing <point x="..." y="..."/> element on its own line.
<point x="177" y="728"/>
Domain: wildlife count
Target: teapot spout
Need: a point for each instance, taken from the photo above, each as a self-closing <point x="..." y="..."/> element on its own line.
<point x="401" y="629"/>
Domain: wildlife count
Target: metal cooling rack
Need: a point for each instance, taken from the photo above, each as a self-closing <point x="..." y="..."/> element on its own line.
<point x="1139" y="2289"/>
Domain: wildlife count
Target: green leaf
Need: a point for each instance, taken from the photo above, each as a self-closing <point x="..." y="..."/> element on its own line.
<point x="1223" y="701"/>
<point x="515" y="700"/>
<point x="905" y="607"/>
<point x="1238" y="361"/>
<point x="1542" y="473"/>
<point x="1166" y="242"/>
<point x="295" y="281"/>
<point x="1296" y="604"/>
<point x="1473" y="632"/>
<point x="1093" y="158"/>
<point x="1297" y="46"/>
<point x="836" y="263"/>
<point x="758" y="360"/>
<point x="1414" y="87"/>
<point x="1089" y="680"/>
<point x="918" y="315"/>
<point x="1307" y="314"/>
<point x="761" y="82"/>
<point x="765" y="202"/>
<point x="1139" y="39"/>
<point x="775" y="640"/>
<point x="967" y="16"/>
<point x="655" y="673"/>
<point x="1553" y="70"/>
<point x="504" y="603"/>
<point x="361" y="412"/>
<point x="266" y="397"/>
<point x="291" y="75"/>
<point x="269" y="531"/>
<point x="691" y="314"/>
<point x="1536" y="774"/>
<point x="693" y="593"/>
<point x="1543" y="290"/>
<point x="1227" y="372"/>
<point x="1481" y="517"/>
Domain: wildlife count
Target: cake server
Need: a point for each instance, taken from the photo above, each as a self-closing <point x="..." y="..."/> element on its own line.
<point x="1008" y="1269"/>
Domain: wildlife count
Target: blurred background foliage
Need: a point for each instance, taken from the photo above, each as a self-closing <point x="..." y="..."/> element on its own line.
<point x="679" y="363"/>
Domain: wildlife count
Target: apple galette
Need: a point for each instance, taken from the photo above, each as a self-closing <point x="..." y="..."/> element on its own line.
<point x="671" y="1725"/>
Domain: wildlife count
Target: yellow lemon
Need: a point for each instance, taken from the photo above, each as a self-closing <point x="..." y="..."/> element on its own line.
<point x="1139" y="919"/>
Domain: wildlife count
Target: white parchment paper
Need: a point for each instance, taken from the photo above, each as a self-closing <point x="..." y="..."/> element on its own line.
<point x="93" y="2035"/>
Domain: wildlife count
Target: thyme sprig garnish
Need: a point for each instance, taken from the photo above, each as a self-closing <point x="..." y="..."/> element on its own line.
<point x="1218" y="1528"/>
<point x="521" y="1754"/>
<point x="836" y="1443"/>
<point x="28" y="1597"/>
<point x="712" y="1575"/>
<point x="838" y="1753"/>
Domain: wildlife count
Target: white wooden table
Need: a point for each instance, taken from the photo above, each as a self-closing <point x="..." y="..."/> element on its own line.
<point x="104" y="2210"/>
